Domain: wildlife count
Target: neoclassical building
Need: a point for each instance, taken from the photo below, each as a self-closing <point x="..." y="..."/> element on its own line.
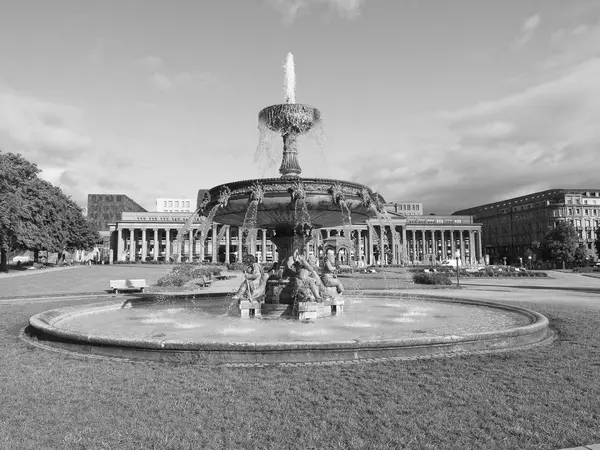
<point x="403" y="239"/>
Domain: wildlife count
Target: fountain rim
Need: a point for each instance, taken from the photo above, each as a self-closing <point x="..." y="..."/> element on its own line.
<point x="536" y="331"/>
<point x="291" y="181"/>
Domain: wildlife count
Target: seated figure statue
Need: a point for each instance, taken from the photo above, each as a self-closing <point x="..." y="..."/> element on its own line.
<point x="329" y="276"/>
<point x="307" y="277"/>
<point x="255" y="281"/>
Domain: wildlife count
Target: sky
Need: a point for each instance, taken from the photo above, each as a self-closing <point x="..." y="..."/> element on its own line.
<point x="453" y="104"/>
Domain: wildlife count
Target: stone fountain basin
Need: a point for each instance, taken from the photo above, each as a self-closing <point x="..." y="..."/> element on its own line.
<point x="372" y="326"/>
<point x="278" y="207"/>
<point x="289" y="117"/>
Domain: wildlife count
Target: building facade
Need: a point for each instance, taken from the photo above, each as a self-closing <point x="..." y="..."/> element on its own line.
<point x="175" y="205"/>
<point x="399" y="239"/>
<point x="105" y="208"/>
<point x="509" y="227"/>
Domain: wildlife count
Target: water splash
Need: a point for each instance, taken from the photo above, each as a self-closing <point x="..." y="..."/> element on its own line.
<point x="289" y="81"/>
<point x="183" y="231"/>
<point x="249" y="229"/>
<point x="266" y="157"/>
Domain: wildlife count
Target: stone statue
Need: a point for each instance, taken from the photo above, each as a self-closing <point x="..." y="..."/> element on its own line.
<point x="330" y="272"/>
<point x="255" y="281"/>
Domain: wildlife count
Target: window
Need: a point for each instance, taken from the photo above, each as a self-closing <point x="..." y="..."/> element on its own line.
<point x="570" y="211"/>
<point x="587" y="223"/>
<point x="170" y="203"/>
<point x="176" y="203"/>
<point x="569" y="200"/>
<point x="187" y="203"/>
<point x="577" y="211"/>
<point x="577" y="200"/>
<point x="577" y="222"/>
<point x="165" y="205"/>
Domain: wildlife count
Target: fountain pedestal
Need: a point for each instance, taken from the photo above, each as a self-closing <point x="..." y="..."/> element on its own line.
<point x="249" y="309"/>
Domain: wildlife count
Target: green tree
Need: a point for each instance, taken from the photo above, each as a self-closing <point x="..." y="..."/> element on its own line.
<point x="561" y="242"/>
<point x="582" y="255"/>
<point x="35" y="215"/>
<point x="16" y="173"/>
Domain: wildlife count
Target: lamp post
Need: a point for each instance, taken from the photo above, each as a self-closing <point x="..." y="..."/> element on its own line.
<point x="529" y="257"/>
<point x="457" y="254"/>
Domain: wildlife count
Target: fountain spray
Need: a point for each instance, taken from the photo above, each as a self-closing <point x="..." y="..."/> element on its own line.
<point x="289" y="81"/>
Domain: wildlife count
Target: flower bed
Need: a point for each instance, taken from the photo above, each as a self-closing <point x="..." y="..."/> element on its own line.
<point x="184" y="273"/>
<point x="431" y="278"/>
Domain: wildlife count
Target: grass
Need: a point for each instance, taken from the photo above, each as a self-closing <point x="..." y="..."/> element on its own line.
<point x="545" y="398"/>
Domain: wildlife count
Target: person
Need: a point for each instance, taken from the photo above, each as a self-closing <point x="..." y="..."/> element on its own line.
<point x="329" y="276"/>
<point x="253" y="279"/>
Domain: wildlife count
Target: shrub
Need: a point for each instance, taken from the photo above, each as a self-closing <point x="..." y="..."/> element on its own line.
<point x="431" y="278"/>
<point x="183" y="273"/>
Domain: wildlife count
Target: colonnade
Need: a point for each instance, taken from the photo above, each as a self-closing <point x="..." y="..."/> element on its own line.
<point x="403" y="245"/>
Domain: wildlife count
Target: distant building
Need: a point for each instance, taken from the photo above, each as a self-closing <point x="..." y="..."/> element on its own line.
<point x="509" y="227"/>
<point x="405" y="208"/>
<point x="409" y="237"/>
<point x="104" y="208"/>
<point x="175" y="205"/>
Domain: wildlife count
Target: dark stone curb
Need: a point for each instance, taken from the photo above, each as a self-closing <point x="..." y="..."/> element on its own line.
<point x="42" y="327"/>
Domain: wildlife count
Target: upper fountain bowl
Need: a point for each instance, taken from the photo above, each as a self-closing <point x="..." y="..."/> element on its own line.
<point x="276" y="200"/>
<point x="289" y="118"/>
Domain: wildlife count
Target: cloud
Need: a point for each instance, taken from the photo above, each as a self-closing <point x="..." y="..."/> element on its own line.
<point x="291" y="9"/>
<point x="50" y="130"/>
<point x="527" y="30"/>
<point x="542" y="137"/>
<point x="96" y="55"/>
<point x="151" y="62"/>
<point x="162" y="79"/>
<point x="164" y="82"/>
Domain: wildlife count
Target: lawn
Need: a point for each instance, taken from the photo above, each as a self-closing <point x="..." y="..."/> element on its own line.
<point x="544" y="398"/>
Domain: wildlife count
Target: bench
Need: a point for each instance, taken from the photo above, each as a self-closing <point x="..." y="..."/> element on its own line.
<point x="127" y="285"/>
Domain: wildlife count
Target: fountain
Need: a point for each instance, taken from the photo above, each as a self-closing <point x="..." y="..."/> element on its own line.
<point x="192" y="328"/>
<point x="290" y="208"/>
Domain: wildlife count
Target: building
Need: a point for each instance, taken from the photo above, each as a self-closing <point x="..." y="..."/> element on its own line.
<point x="509" y="227"/>
<point x="175" y="205"/>
<point x="400" y="238"/>
<point x="105" y="208"/>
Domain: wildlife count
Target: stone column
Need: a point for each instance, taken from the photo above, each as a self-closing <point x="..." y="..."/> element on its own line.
<point x="167" y="244"/>
<point x="203" y="245"/>
<point x="156" y="245"/>
<point x="264" y="245"/>
<point x="394" y="246"/>
<point x="119" y="243"/>
<point x="480" y="248"/>
<point x="215" y="244"/>
<point x="404" y="241"/>
<point x="414" y="245"/>
<point x="328" y="231"/>
<point x="132" y="249"/>
<point x="462" y="246"/>
<point x="452" y="245"/>
<point x="191" y="239"/>
<point x="444" y="255"/>
<point x="227" y="244"/>
<point x="471" y="247"/>
<point x="370" y="239"/>
<point x="144" y="245"/>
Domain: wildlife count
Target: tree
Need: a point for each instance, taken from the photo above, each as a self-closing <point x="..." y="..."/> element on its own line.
<point x="561" y="242"/>
<point x="582" y="255"/>
<point x="597" y="243"/>
<point x="15" y="174"/>
<point x="36" y="215"/>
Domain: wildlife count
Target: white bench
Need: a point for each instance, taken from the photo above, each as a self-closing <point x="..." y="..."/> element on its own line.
<point x="127" y="285"/>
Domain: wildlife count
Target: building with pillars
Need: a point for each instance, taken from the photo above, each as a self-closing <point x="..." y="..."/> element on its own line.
<point x="509" y="227"/>
<point x="401" y="239"/>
